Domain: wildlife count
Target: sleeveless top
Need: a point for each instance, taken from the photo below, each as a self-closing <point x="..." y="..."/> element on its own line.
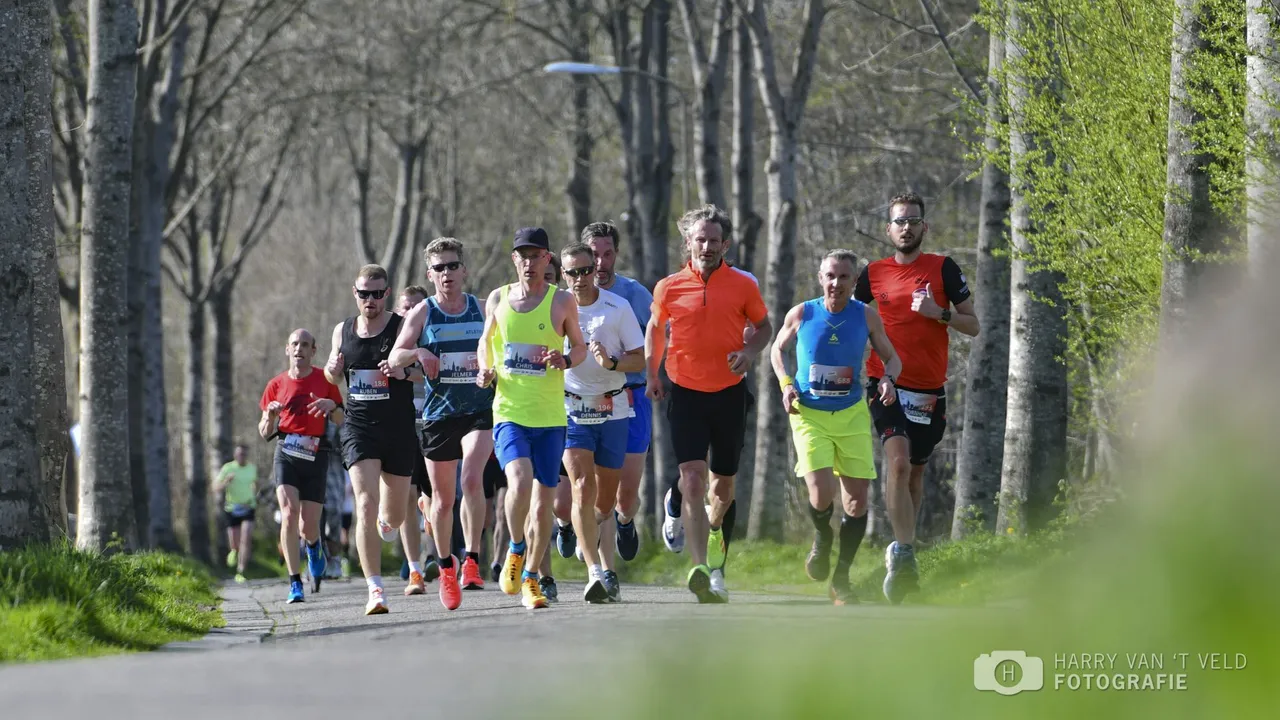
<point x="373" y="398"/>
<point x="454" y="339"/>
<point x="528" y="392"/>
<point x="829" y="349"/>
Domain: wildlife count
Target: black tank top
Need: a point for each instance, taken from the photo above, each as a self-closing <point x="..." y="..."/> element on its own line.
<point x="373" y="398"/>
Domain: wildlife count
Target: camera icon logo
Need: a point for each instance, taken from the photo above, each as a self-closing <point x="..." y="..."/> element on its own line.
<point x="1008" y="672"/>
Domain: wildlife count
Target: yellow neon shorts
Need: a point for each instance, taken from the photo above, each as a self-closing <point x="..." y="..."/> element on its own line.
<point x="840" y="440"/>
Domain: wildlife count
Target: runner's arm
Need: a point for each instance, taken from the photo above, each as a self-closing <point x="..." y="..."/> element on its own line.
<point x="786" y="334"/>
<point x="338" y="414"/>
<point x="655" y="342"/>
<point x="267" y="425"/>
<point x="632" y="335"/>
<point x="963" y="319"/>
<point x="336" y="343"/>
<point x="880" y="343"/>
<point x="483" y="361"/>
<point x="577" y="346"/>
<point x="405" y="352"/>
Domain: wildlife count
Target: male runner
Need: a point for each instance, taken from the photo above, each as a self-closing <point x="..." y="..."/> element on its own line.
<point x="294" y="405"/>
<point x="442" y="335"/>
<point x="377" y="439"/>
<point x="414" y="570"/>
<point x="914" y="292"/>
<point x="599" y="409"/>
<point x="707" y="305"/>
<point x="829" y="420"/>
<point x="239" y="478"/>
<point x="603" y="238"/>
<point x="525" y="327"/>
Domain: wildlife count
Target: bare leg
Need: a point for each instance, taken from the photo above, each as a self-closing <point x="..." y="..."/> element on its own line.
<point x="410" y="535"/>
<point x="364" y="483"/>
<point x="582" y="479"/>
<point x="540" y="523"/>
<point x="916" y="487"/>
<point x="311" y="521"/>
<point x="246" y="545"/>
<point x="897" y="494"/>
<point x="608" y="481"/>
<point x="629" y="486"/>
<point x="290" y="510"/>
<point x="476" y="448"/>
<point x="443" y="493"/>
<point x="721" y="495"/>
<point x="693" y="486"/>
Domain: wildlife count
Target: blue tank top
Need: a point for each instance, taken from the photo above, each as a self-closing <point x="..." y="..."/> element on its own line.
<point x="829" y="350"/>
<point x="454" y="339"/>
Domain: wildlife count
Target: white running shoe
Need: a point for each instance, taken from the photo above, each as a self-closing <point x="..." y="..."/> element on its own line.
<point x="672" y="528"/>
<point x="388" y="533"/>
<point x="717" y="585"/>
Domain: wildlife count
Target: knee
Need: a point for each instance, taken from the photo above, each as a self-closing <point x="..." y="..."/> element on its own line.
<point x="899" y="468"/>
<point x="855" y="503"/>
<point x="472" y="484"/>
<point x="367" y="505"/>
<point x="692" y="485"/>
<point x="722" y="488"/>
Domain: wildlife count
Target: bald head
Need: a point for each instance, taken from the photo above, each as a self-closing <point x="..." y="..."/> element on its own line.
<point x="300" y="348"/>
<point x="302" y="335"/>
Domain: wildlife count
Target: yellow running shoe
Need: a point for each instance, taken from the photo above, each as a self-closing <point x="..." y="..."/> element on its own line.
<point x="531" y="594"/>
<point x="715" y="548"/>
<point x="509" y="580"/>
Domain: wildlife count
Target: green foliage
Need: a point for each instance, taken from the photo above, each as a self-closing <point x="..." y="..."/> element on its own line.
<point x="1216" y="75"/>
<point x="56" y="601"/>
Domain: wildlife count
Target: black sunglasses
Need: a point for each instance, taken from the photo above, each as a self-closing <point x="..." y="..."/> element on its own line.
<point x="375" y="294"/>
<point x="454" y="265"/>
<point x="579" y="272"/>
<point x="905" y="221"/>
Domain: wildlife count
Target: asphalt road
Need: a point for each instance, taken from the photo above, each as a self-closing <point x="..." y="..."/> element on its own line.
<point x="325" y="658"/>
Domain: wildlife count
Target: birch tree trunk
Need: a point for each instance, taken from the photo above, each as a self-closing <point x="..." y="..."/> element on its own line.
<point x="986" y="387"/>
<point x="709" y="69"/>
<point x="784" y="113"/>
<point x="746" y="221"/>
<point x="1262" y="114"/>
<point x="1037" y="400"/>
<point x="105" y="511"/>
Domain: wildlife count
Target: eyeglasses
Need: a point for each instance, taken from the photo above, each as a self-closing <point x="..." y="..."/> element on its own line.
<point x="375" y="294"/>
<point x="579" y="272"/>
<point x="905" y="221"/>
<point x="450" y="266"/>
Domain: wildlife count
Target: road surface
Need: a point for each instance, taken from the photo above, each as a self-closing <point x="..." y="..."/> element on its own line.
<point x="325" y="658"/>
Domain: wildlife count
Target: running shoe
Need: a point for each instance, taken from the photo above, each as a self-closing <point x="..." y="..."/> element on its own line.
<point x="903" y="577"/>
<point x="566" y="540"/>
<point x="495" y="571"/>
<point x="471" y="579"/>
<point x="231" y="558"/>
<point x="240" y="578"/>
<point x="531" y="594"/>
<point x="672" y="528"/>
<point x="549" y="588"/>
<point x="818" y="565"/>
<point x="416" y="586"/>
<point x="450" y="592"/>
<point x="346" y="567"/>
<point x="715" y="549"/>
<point x="295" y="592"/>
<point x="388" y="533"/>
<point x="611" y="584"/>
<point x="596" y="592"/>
<point x="700" y="583"/>
<point x="718" y="590"/>
<point x="431" y="569"/>
<point x="842" y="594"/>
<point x="377" y="603"/>
<point x="315" y="565"/>
<point x="627" y="541"/>
<point x="511" y="570"/>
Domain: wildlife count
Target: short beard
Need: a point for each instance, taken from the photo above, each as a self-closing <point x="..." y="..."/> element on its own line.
<point x="919" y="240"/>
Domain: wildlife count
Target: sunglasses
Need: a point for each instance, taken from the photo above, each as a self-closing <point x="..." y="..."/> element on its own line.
<point x="579" y="272"/>
<point x="375" y="294"/>
<point x="450" y="266"/>
<point x="905" y="221"/>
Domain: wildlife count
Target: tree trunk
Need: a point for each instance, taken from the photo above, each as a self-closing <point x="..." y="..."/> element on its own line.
<point x="768" y="494"/>
<point x="1191" y="225"/>
<point x="1262" y="114"/>
<point x="221" y="420"/>
<point x="23" y="505"/>
<point x="746" y="221"/>
<point x="578" y="190"/>
<point x="1037" y="401"/>
<point x="193" y="456"/>
<point x="106" y="513"/>
<point x="709" y="67"/>
<point x="986" y="388"/>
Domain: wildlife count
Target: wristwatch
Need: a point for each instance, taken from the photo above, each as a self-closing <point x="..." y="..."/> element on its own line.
<point x="613" y="360"/>
<point x="946" y="316"/>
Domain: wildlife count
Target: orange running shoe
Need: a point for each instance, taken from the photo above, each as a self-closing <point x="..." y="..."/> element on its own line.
<point x="471" y="579"/>
<point x="416" y="586"/>
<point x="450" y="593"/>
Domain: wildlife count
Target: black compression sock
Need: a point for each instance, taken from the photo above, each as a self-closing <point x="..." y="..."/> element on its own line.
<point x="446" y="562"/>
<point x="677" y="498"/>
<point x="852" y="530"/>
<point x="822" y="521"/>
<point x="474" y="556"/>
<point x="314" y="545"/>
<point x="730" y="516"/>
<point x="296" y="578"/>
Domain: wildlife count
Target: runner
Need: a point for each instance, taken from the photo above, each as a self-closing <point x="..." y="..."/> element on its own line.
<point x="829" y="420"/>
<point x="294" y="406"/>
<point x="334" y="496"/>
<point x="707" y="359"/>
<point x="914" y="292"/>
<point x="239" y="478"/>
<point x="603" y="238"/>
<point x="599" y="410"/>
<point x="414" y="571"/>
<point x="525" y="326"/>
<point x="442" y="335"/>
<point x="377" y="438"/>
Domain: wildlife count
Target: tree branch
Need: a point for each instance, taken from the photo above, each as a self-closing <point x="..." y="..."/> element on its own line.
<point x="975" y="89"/>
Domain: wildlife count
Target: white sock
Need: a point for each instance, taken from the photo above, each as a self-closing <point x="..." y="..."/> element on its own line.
<point x="595" y="572"/>
<point x="373" y="581"/>
<point x="415" y="566"/>
<point x="560" y="523"/>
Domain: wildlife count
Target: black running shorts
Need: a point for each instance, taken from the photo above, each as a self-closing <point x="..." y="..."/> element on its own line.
<point x="702" y="421"/>
<point x="920" y="415"/>
<point x="494" y="478"/>
<point x="441" y="440"/>
<point x="393" y="444"/>
<point x="421" y="480"/>
<point x="308" y="476"/>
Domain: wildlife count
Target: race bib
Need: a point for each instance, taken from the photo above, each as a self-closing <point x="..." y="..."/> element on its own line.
<point x="918" y="407"/>
<point x="368" y="385"/>
<point x="458" y="368"/>
<point x="303" y="447"/>
<point x="830" y="380"/>
<point x="590" y="410"/>
<point x="522" y="359"/>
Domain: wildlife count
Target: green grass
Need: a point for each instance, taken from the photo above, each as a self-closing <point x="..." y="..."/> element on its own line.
<point x="58" y="602"/>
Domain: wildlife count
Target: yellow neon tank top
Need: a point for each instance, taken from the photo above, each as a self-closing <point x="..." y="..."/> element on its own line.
<point x="527" y="392"/>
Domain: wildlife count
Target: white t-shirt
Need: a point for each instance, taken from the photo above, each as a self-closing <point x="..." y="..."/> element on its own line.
<point x="609" y="321"/>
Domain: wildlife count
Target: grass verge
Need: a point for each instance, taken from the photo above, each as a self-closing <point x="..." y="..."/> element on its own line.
<point x="58" y="602"/>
